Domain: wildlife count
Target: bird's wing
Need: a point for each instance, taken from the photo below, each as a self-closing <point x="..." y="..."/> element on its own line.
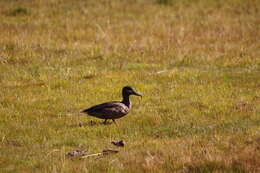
<point x="109" y="108"/>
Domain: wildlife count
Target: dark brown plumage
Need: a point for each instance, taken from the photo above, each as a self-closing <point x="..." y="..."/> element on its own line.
<point x="115" y="109"/>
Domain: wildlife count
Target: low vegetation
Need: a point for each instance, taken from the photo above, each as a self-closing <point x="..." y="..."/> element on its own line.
<point x="197" y="64"/>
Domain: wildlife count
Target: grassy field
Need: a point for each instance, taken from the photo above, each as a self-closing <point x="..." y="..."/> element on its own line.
<point x="196" y="62"/>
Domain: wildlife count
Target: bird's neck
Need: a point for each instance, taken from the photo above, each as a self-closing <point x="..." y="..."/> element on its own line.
<point x="126" y="100"/>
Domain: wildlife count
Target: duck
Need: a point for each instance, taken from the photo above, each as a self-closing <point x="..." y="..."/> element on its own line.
<point x="114" y="109"/>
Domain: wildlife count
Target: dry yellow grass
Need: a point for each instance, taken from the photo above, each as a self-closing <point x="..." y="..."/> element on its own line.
<point x="196" y="63"/>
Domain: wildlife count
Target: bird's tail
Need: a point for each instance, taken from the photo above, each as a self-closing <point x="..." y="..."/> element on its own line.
<point x="83" y="111"/>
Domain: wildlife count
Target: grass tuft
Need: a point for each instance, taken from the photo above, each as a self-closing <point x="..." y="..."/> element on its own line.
<point x="19" y="11"/>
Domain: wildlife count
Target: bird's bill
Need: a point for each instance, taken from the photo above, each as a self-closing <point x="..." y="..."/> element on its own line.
<point x="137" y="94"/>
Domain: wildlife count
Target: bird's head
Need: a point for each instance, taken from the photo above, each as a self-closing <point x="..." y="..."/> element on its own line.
<point x="128" y="90"/>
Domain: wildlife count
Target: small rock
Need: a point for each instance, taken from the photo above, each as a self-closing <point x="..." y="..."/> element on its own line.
<point x="118" y="143"/>
<point x="77" y="153"/>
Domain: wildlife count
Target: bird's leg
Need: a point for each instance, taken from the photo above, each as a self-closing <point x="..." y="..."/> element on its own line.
<point x="105" y="122"/>
<point x="114" y="121"/>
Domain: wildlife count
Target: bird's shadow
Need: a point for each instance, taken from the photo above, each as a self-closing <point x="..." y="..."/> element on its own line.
<point x="90" y="124"/>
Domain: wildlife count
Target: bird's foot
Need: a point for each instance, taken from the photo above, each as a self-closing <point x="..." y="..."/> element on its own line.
<point x="106" y="122"/>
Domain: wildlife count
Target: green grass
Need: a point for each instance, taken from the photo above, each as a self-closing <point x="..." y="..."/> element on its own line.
<point x="197" y="63"/>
